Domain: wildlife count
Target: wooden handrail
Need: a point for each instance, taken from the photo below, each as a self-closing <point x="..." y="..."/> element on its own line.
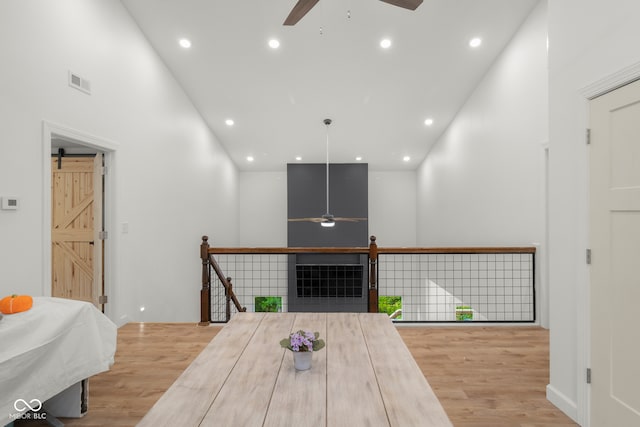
<point x="292" y="250"/>
<point x="460" y="250"/>
<point x="227" y="285"/>
<point x="380" y="250"/>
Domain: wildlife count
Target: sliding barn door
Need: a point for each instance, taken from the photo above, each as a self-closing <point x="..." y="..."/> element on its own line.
<point x="76" y="220"/>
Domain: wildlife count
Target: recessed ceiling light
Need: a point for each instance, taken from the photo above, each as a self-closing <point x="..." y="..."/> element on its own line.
<point x="385" y="43"/>
<point x="358" y="158"/>
<point x="274" y="44"/>
<point x="475" y="42"/>
<point x="406" y="158"/>
<point x="229" y="122"/>
<point x="249" y="158"/>
<point x="298" y="158"/>
<point x="428" y="122"/>
<point x="185" y="43"/>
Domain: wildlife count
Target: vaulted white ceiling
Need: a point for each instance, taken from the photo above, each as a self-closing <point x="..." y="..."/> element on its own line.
<point x="329" y="65"/>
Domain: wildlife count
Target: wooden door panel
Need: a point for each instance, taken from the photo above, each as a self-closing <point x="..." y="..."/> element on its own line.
<point x="71" y="274"/>
<point x="73" y="231"/>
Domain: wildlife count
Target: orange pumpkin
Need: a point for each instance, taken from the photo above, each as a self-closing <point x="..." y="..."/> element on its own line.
<point x="15" y="304"/>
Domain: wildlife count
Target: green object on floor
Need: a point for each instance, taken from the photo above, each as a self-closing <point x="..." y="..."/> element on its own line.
<point x="464" y="313"/>
<point x="268" y="304"/>
<point x="389" y="304"/>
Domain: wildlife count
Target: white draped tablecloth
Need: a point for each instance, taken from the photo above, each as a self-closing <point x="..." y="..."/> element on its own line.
<point x="45" y="350"/>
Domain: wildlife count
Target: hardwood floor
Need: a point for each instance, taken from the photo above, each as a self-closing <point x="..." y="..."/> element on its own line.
<point x="484" y="376"/>
<point x="487" y="376"/>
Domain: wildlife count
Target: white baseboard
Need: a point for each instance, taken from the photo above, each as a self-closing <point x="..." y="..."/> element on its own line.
<point x="123" y="320"/>
<point x="566" y="405"/>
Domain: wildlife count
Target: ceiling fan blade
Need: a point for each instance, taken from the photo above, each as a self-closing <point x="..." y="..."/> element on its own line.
<point x="406" y="4"/>
<point x="349" y="219"/>
<point x="305" y="219"/>
<point x="343" y="219"/>
<point x="299" y="10"/>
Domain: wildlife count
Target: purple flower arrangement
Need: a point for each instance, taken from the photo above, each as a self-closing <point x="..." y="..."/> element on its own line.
<point x="303" y="341"/>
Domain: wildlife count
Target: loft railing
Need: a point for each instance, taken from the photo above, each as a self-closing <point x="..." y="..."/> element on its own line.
<point x="209" y="263"/>
<point x="481" y="284"/>
<point x="437" y="284"/>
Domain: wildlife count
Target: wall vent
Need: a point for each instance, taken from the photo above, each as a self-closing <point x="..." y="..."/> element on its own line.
<point x="79" y="83"/>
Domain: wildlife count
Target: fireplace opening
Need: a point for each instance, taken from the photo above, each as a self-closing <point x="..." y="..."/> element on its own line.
<point x="329" y="280"/>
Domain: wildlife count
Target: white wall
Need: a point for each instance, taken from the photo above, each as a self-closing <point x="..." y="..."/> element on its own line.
<point x="591" y="43"/>
<point x="263" y="208"/>
<point x="392" y="207"/>
<point x="482" y="182"/>
<point x="173" y="181"/>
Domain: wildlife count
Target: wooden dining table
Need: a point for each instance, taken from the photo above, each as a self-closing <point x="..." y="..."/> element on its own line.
<point x="365" y="376"/>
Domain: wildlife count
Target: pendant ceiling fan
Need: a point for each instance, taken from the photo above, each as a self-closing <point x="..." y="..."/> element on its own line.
<point x="327" y="220"/>
<point x="303" y="6"/>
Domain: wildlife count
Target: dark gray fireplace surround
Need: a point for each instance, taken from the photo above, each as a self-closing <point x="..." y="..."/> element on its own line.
<point x="327" y="282"/>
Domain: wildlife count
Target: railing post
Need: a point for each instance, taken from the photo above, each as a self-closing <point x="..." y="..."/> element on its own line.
<point x="228" y="291"/>
<point x="205" y="292"/>
<point x="373" y="277"/>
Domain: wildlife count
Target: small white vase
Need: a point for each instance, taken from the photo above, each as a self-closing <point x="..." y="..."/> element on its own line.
<point x="302" y="360"/>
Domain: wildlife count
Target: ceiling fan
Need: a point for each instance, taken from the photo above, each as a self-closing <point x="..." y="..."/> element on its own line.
<point x="327" y="220"/>
<point x="303" y="6"/>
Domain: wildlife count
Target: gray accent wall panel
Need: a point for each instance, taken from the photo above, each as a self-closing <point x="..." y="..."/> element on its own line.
<point x="348" y="197"/>
<point x="306" y="198"/>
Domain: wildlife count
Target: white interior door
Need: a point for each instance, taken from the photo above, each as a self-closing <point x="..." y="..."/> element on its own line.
<point x="615" y="268"/>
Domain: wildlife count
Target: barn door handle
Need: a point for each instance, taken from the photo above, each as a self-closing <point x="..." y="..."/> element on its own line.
<point x="91" y="242"/>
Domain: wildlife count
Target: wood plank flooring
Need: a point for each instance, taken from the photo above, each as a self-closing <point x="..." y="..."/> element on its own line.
<point x="484" y="376"/>
<point x="487" y="376"/>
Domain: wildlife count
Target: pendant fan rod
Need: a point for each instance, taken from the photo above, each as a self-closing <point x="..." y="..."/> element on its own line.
<point x="327" y="219"/>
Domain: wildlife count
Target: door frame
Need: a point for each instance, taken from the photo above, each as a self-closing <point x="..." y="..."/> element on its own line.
<point x="542" y="248"/>
<point x="109" y="148"/>
<point x="597" y="88"/>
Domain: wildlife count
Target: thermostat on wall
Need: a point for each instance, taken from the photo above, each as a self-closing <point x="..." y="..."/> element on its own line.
<point x="10" y="203"/>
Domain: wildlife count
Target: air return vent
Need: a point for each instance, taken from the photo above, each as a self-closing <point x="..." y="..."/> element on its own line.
<point x="79" y="83"/>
